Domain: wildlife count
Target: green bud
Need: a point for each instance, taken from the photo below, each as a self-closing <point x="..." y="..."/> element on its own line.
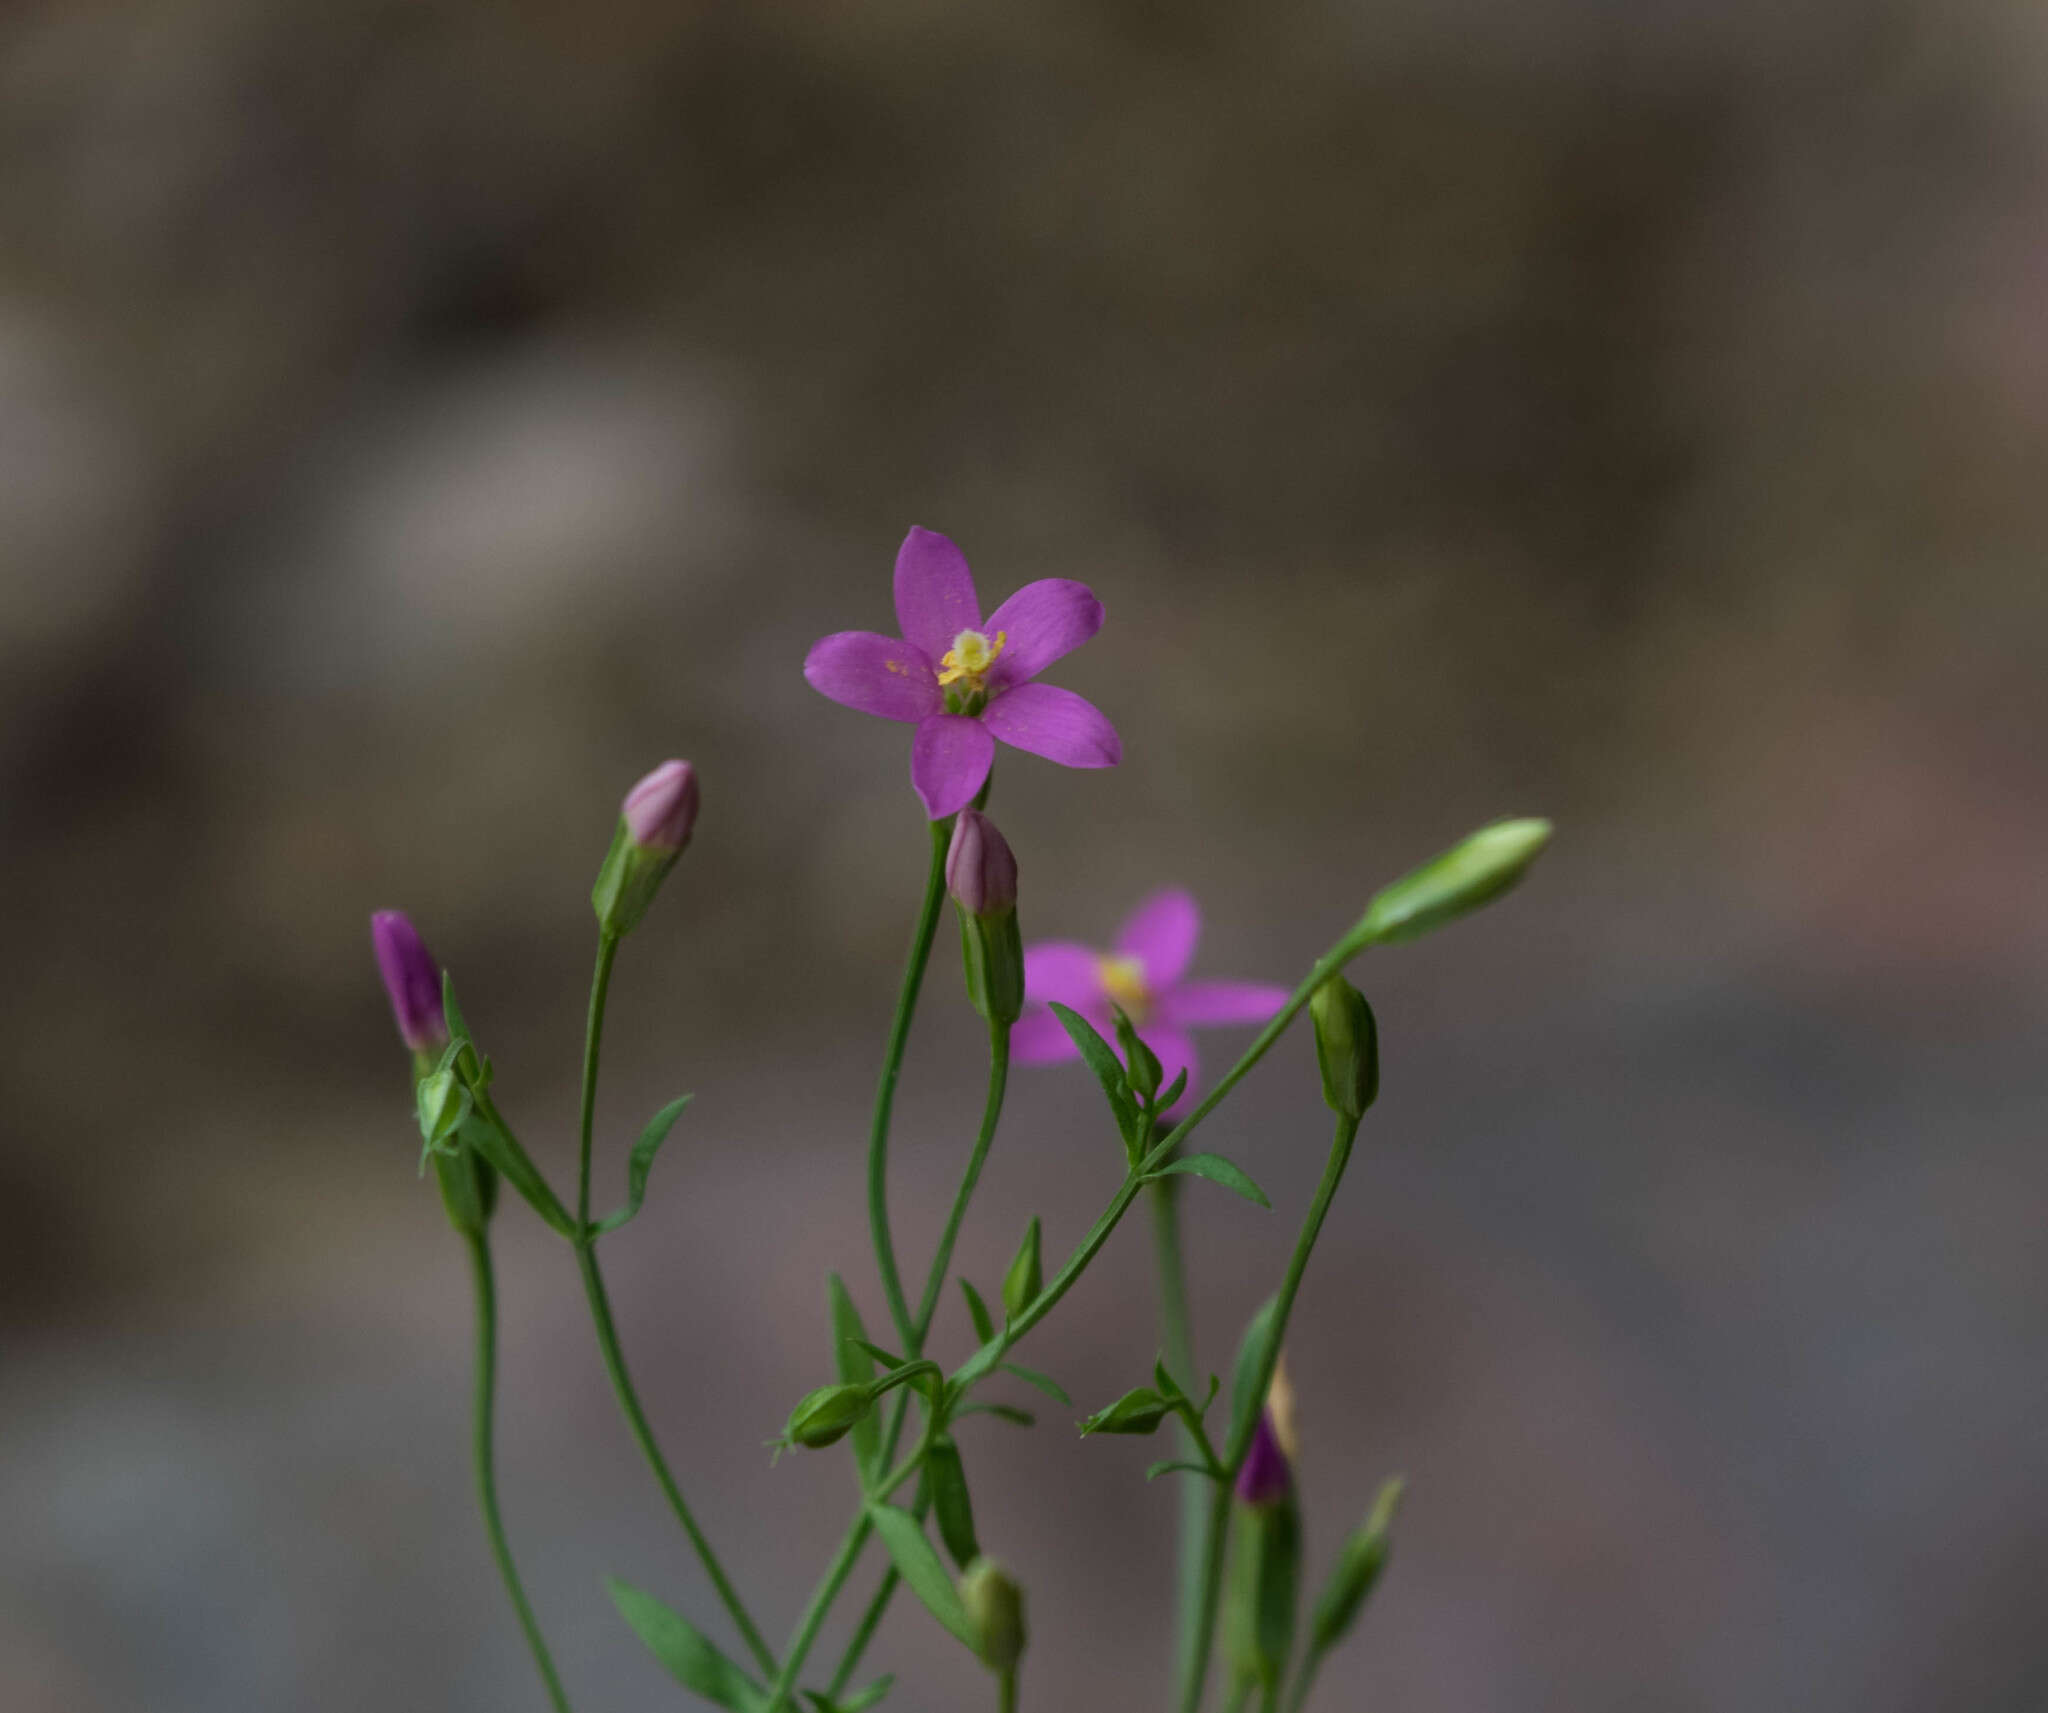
<point x="995" y="1614"/>
<point x="1022" y="1283"/>
<point x="826" y="1415"/>
<point x="442" y="1103"/>
<point x="1265" y="1571"/>
<point x="992" y="950"/>
<point x="1347" y="1047"/>
<point x="469" y="1190"/>
<point x="1357" y="1570"/>
<point x="1139" y="1411"/>
<point x="1141" y="1065"/>
<point x="947" y="1480"/>
<point x="627" y="882"/>
<point x="1473" y="872"/>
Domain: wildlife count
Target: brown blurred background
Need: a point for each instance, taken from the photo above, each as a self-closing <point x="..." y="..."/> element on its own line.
<point x="417" y="419"/>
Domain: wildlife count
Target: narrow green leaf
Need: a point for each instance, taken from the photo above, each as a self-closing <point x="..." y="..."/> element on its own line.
<point x="918" y="1564"/>
<point x="1102" y="1060"/>
<point x="1218" y="1171"/>
<point x="692" y="1660"/>
<point x="1245" y="1399"/>
<point x="458" y="1026"/>
<point x="1185" y="1468"/>
<point x="1174" y="1090"/>
<point x="641" y="1161"/>
<point x="854" y="1704"/>
<point x="946" y="1481"/>
<point x="848" y="1340"/>
<point x="519" y="1171"/>
<point x="887" y="1358"/>
<point x="1044" y="1382"/>
<point x="1138" y="1411"/>
<point x="977" y="1311"/>
<point x="1003" y="1412"/>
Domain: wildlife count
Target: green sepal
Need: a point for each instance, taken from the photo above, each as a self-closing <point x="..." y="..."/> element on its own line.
<point x="1473" y="872"/>
<point x="1218" y="1171"/>
<point x="992" y="951"/>
<point x="1026" y="1277"/>
<point x="1265" y="1574"/>
<point x="977" y="1312"/>
<point x="627" y="881"/>
<point x="1184" y="1467"/>
<point x="849" y="1341"/>
<point x="1347" y="1047"/>
<point x="1044" y="1382"/>
<point x="441" y="1104"/>
<point x="1096" y="1053"/>
<point x="946" y="1481"/>
<point x="690" y="1656"/>
<point x="1141" y="1065"/>
<point x="1173" y="1091"/>
<point x="826" y="1415"/>
<point x="641" y="1161"/>
<point x="1247" y="1395"/>
<point x="1140" y="1410"/>
<point x="468" y="1190"/>
<point x="859" y="1703"/>
<point x="1356" y="1572"/>
<point x="919" y="1566"/>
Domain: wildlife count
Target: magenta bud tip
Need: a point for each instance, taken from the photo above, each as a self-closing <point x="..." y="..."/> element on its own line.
<point x="662" y="809"/>
<point x="411" y="978"/>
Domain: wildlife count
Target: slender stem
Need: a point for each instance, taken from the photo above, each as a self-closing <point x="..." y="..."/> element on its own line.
<point x="864" y="1631"/>
<point x="636" y="1419"/>
<point x="1239" y="1445"/>
<point x="1239" y="1695"/>
<point x="892" y="1068"/>
<point x="486" y="1460"/>
<point x="1006" y="1694"/>
<point x="1177" y="1331"/>
<point x="593" y="1038"/>
<point x="814" y="1614"/>
<point x="992" y="1110"/>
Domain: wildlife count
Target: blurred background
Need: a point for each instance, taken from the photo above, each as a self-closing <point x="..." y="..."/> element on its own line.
<point x="418" y="419"/>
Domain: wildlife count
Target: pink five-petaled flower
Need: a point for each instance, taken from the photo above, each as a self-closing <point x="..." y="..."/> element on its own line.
<point x="964" y="681"/>
<point x="1144" y="974"/>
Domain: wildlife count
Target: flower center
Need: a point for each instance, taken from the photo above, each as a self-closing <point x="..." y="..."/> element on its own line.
<point x="1123" y="979"/>
<point x="967" y="662"/>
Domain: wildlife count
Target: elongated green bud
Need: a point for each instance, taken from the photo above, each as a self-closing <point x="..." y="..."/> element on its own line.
<point x="995" y="1613"/>
<point x="655" y="823"/>
<point x="1141" y="1065"/>
<point x="827" y="1415"/>
<point x="1357" y="1570"/>
<point x="947" y="1480"/>
<point x="1265" y="1573"/>
<point x="1026" y="1277"/>
<point x="981" y="874"/>
<point x="1473" y="872"/>
<point x="1347" y="1047"/>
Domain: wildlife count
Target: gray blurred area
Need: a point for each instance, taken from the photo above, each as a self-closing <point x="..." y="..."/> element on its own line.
<point x="418" y="419"/>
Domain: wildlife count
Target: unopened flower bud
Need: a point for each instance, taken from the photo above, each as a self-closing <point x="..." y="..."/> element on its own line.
<point x="1265" y="1477"/>
<point x="412" y="979"/>
<point x="827" y="1415"/>
<point x="1347" y="1047"/>
<point x="662" y="809"/>
<point x="655" y="822"/>
<point x="981" y="869"/>
<point x="1475" y="871"/>
<point x="1358" y="1569"/>
<point x="981" y="874"/>
<point x="995" y="1613"/>
<point x="1026" y="1276"/>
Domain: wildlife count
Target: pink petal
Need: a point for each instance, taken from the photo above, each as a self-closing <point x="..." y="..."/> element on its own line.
<point x="1054" y="723"/>
<point x="949" y="759"/>
<point x="876" y="674"/>
<point x="1198" y="1002"/>
<point x="1039" y="623"/>
<point x="1040" y="1039"/>
<point x="1061" y="970"/>
<point x="1175" y="1052"/>
<point x="1161" y="933"/>
<point x="935" y="599"/>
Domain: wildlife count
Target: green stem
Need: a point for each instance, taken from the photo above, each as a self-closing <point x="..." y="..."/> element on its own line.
<point x="992" y="1110"/>
<point x="864" y="1631"/>
<point x="1239" y="1444"/>
<point x="486" y="1460"/>
<point x="814" y="1614"/>
<point x="636" y="1419"/>
<point x="1177" y="1331"/>
<point x="892" y="1068"/>
<point x="1006" y="1694"/>
<point x="593" y="1038"/>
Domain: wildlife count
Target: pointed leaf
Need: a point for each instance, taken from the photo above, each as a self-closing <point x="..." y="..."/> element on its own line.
<point x="1044" y="1382"/>
<point x="641" y="1161"/>
<point x="853" y="1704"/>
<point x="691" y="1658"/>
<point x="1176" y="1464"/>
<point x="458" y="1026"/>
<point x="1357" y="1569"/>
<point x="1174" y="1090"/>
<point x="1218" y="1171"/>
<point x="1140" y="1410"/>
<point x="1103" y="1062"/>
<point x="1246" y="1394"/>
<point x="977" y="1311"/>
<point x="946" y="1480"/>
<point x="849" y="1338"/>
<point x="1004" y="1412"/>
<point x="918" y="1564"/>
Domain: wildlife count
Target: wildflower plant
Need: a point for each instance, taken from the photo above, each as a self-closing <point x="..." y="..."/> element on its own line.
<point x="888" y="1404"/>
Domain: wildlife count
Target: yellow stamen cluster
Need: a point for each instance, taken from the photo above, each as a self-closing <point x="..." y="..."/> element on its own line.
<point x="968" y="660"/>
<point x="1123" y="979"/>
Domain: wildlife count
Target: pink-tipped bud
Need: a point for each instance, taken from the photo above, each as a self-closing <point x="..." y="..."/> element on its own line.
<point x="1266" y="1476"/>
<point x="412" y="979"/>
<point x="981" y="872"/>
<point x="662" y="809"/>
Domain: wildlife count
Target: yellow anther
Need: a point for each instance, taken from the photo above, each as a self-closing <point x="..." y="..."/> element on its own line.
<point x="1123" y="979"/>
<point x="970" y="657"/>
